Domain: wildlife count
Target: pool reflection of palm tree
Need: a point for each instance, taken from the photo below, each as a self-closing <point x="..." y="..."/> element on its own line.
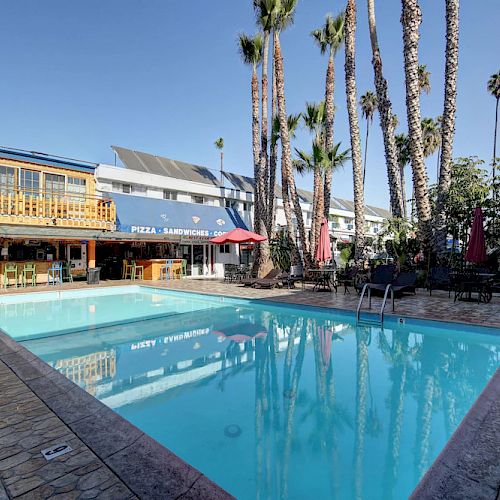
<point x="362" y="340"/>
<point x="397" y="354"/>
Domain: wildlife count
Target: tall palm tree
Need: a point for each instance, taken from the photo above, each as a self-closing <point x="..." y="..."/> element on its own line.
<point x="251" y="53"/>
<point x="447" y="123"/>
<point x="410" y="19"/>
<point x="387" y="123"/>
<point x="329" y="38"/>
<point x="265" y="15"/>
<point x="368" y="103"/>
<point x="219" y="144"/>
<point x="284" y="18"/>
<point x="494" y="90"/>
<point x="352" y="109"/>
<point x="424" y="78"/>
<point x="314" y="120"/>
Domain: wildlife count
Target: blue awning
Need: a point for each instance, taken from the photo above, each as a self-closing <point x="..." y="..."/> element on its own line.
<point x="137" y="214"/>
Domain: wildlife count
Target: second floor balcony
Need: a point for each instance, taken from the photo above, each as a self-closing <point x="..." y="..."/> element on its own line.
<point x="63" y="209"/>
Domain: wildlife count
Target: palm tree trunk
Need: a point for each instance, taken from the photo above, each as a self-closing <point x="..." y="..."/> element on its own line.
<point x="273" y="161"/>
<point x="329" y="118"/>
<point x="403" y="188"/>
<point x="448" y="124"/>
<point x="318" y="208"/>
<point x="366" y="150"/>
<point x="264" y="165"/>
<point x="352" y="109"/>
<point x="262" y="260"/>
<point x="286" y="154"/>
<point x="411" y="18"/>
<point x="495" y="152"/>
<point x="386" y="120"/>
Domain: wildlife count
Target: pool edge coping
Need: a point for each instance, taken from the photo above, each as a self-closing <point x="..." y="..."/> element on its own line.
<point x="139" y="451"/>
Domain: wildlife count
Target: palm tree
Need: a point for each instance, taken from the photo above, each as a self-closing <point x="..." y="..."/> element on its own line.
<point x="494" y="90"/>
<point x="265" y="15"/>
<point x="447" y="123"/>
<point x="314" y="120"/>
<point x="411" y="18"/>
<point x="352" y="109"/>
<point x="219" y="144"/>
<point x="368" y="103"/>
<point x="293" y="121"/>
<point x="251" y="53"/>
<point x="284" y="17"/>
<point x="431" y="136"/>
<point x="387" y="123"/>
<point x="424" y="78"/>
<point x="329" y="38"/>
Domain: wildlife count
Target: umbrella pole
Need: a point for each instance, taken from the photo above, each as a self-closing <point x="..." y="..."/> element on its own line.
<point x="239" y="252"/>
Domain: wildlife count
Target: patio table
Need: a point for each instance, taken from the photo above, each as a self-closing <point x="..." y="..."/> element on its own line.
<point x="479" y="283"/>
<point x="324" y="279"/>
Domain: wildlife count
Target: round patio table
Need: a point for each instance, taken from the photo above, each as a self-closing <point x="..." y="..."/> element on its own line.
<point x="324" y="279"/>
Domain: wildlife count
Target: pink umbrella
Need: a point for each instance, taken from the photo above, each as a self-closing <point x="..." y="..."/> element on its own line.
<point x="324" y="250"/>
<point x="242" y="332"/>
<point x="325" y="340"/>
<point x="476" y="251"/>
<point x="238" y="235"/>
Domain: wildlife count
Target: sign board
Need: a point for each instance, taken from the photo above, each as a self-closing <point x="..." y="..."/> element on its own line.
<point x="56" y="451"/>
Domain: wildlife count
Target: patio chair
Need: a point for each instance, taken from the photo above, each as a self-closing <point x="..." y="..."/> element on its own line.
<point x="296" y="275"/>
<point x="347" y="277"/>
<point x="230" y="272"/>
<point x="66" y="273"/>
<point x="270" y="275"/>
<point x="405" y="283"/>
<point x="439" y="279"/>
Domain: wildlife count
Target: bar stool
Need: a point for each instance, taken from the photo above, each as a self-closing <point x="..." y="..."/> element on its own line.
<point x="177" y="270"/>
<point x="165" y="270"/>
<point x="137" y="271"/>
<point x="66" y="275"/>
<point x="184" y="267"/>
<point x="10" y="269"/>
<point x="29" y="269"/>
<point x="127" y="269"/>
<point x="54" y="273"/>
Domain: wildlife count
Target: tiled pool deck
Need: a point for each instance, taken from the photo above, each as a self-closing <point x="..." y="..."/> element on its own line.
<point x="112" y="459"/>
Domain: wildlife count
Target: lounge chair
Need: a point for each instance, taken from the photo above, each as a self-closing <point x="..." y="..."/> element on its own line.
<point x="270" y="275"/>
<point x="270" y="282"/>
<point x="405" y="283"/>
<point x="381" y="276"/>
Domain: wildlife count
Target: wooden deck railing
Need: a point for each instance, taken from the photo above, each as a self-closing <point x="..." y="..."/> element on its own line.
<point x="56" y="209"/>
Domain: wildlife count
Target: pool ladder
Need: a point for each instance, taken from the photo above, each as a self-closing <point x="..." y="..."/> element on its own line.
<point x="366" y="287"/>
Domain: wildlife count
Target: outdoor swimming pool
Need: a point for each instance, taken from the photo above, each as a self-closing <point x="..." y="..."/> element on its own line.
<point x="309" y="406"/>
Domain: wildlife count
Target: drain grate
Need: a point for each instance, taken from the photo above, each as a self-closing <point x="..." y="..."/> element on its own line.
<point x="232" y="430"/>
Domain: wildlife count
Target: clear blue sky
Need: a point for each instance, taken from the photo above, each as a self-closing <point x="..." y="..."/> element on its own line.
<point x="165" y="77"/>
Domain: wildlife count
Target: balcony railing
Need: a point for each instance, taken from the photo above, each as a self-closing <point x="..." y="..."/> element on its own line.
<point x="39" y="208"/>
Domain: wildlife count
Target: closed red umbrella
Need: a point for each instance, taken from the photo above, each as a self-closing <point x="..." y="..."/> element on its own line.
<point x="476" y="251"/>
<point x="324" y="249"/>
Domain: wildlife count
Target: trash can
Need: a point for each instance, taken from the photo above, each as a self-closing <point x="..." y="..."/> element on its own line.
<point x="93" y="275"/>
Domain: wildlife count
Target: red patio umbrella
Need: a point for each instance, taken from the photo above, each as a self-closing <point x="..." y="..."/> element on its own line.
<point x="239" y="236"/>
<point x="324" y="249"/>
<point x="476" y="251"/>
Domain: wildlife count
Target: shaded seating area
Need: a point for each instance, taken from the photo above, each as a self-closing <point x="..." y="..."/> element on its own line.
<point x="439" y="278"/>
<point x="472" y="285"/>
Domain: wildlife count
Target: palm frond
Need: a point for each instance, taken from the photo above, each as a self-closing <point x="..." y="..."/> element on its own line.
<point x="250" y="48"/>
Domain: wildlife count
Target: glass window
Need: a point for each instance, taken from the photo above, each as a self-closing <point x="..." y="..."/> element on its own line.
<point x="225" y="248"/>
<point x="29" y="182"/>
<point x="169" y="195"/>
<point x="55" y="183"/>
<point x="126" y="188"/>
<point x="197" y="199"/>
<point x="7" y="179"/>
<point x="77" y="186"/>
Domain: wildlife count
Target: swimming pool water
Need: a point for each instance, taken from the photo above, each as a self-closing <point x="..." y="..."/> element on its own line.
<point x="310" y="406"/>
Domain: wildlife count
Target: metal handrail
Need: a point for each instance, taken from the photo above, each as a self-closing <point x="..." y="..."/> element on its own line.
<point x="365" y="287"/>
<point x="387" y="288"/>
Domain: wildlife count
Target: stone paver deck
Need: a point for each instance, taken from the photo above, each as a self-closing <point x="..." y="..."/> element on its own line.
<point x="113" y="459"/>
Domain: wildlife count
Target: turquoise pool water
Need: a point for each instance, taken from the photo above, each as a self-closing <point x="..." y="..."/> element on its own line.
<point x="309" y="406"/>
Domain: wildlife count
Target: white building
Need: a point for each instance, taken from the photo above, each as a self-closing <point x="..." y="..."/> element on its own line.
<point x="185" y="187"/>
